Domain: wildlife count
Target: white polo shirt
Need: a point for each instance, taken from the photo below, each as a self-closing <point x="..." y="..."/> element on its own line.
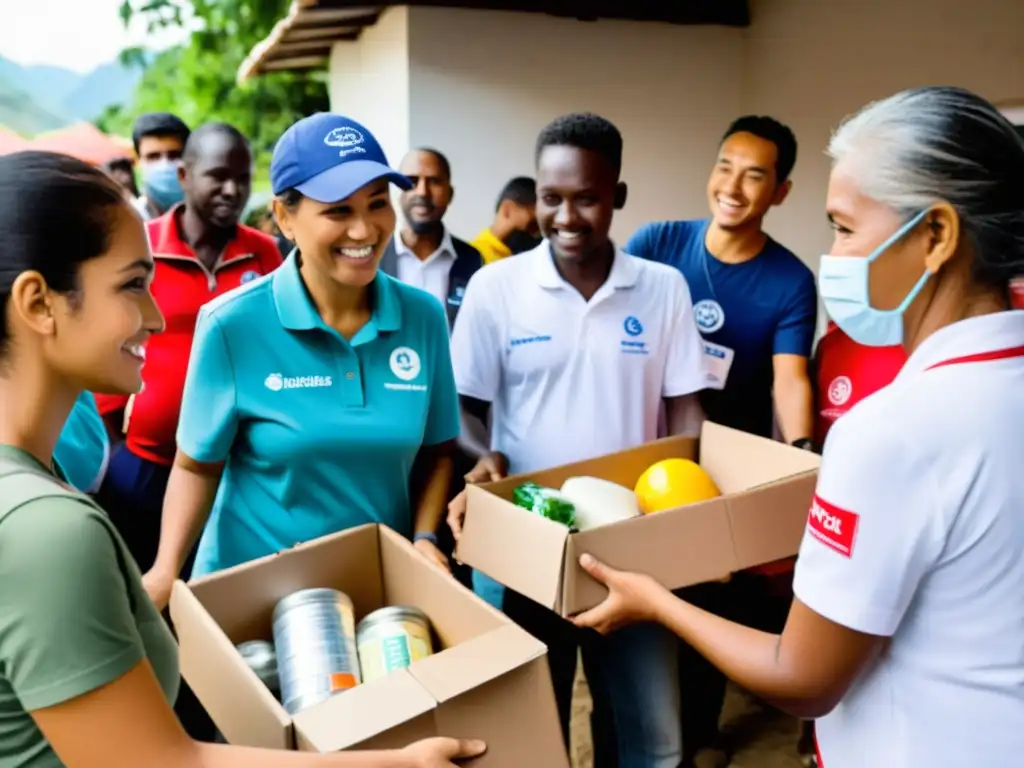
<point x="917" y="534"/>
<point x="430" y="274"/>
<point x="570" y="379"/>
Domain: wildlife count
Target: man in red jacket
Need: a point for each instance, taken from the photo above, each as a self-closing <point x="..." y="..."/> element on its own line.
<point x="201" y="251"/>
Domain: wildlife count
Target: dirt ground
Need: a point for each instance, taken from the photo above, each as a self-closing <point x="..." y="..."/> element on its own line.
<point x="760" y="737"/>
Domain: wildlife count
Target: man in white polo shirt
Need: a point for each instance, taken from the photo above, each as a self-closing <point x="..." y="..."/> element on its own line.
<point x="577" y="346"/>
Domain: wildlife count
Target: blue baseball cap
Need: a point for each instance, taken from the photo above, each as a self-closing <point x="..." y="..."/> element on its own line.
<point x="327" y="157"/>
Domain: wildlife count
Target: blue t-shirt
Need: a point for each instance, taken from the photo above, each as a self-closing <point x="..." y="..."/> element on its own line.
<point x="763" y="307"/>
<point x="83" y="449"/>
<point x="318" y="434"/>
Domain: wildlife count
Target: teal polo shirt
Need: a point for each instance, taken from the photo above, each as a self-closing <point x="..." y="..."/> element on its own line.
<point x="83" y="449"/>
<point x="318" y="434"/>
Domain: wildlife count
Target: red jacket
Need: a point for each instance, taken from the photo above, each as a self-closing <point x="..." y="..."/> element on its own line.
<point x="181" y="285"/>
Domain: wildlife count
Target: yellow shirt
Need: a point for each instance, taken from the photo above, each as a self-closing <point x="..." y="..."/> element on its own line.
<point x="490" y="247"/>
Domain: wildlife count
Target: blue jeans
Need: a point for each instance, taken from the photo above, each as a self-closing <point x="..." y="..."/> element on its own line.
<point x="633" y="677"/>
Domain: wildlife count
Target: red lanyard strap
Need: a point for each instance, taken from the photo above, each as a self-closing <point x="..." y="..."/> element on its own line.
<point x="981" y="357"/>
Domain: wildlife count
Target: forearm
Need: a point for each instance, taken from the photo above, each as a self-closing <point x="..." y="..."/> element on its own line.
<point x="188" y="500"/>
<point x="224" y="756"/>
<point x="433" y="498"/>
<point x="684" y="415"/>
<point x="794" y="405"/>
<point x="753" y="659"/>
<point x="474" y="437"/>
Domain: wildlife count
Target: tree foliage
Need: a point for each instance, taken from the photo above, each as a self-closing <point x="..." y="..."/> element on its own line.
<point x="196" y="80"/>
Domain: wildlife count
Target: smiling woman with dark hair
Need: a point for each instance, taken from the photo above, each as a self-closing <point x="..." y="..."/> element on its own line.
<point x="88" y="668"/>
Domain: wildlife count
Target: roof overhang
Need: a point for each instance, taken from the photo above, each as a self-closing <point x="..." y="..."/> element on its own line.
<point x="303" y="39"/>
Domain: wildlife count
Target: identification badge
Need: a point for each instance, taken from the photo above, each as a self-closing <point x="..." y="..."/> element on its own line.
<point x="717" y="362"/>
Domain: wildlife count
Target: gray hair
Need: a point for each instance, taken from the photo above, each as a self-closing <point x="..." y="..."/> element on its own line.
<point x="927" y="145"/>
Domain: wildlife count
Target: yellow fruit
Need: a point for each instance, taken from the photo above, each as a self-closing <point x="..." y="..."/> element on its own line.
<point x="674" y="483"/>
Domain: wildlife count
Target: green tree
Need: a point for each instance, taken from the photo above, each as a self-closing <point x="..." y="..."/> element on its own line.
<point x="196" y="80"/>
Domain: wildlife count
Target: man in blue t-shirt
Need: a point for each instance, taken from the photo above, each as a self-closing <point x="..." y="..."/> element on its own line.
<point x="754" y="301"/>
<point x="756" y="306"/>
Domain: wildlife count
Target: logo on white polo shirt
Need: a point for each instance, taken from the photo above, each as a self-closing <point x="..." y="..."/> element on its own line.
<point x="633" y="328"/>
<point x="275" y="382"/>
<point x="840" y="390"/>
<point x="709" y="315"/>
<point x="347" y="139"/>
<point x="834" y="527"/>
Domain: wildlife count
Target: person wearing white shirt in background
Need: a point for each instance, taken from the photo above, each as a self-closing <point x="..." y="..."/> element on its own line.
<point x="906" y="637"/>
<point x="424" y="253"/>
<point x="576" y="346"/>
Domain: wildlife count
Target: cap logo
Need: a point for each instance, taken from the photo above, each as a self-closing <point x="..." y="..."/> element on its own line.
<point x="347" y="139"/>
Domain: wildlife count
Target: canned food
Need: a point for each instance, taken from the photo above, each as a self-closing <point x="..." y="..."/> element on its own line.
<point x="392" y="638"/>
<point x="314" y="634"/>
<point x="260" y="657"/>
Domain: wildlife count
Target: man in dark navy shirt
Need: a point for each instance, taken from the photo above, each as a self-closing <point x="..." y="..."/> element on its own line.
<point x="755" y="302"/>
<point x="756" y="306"/>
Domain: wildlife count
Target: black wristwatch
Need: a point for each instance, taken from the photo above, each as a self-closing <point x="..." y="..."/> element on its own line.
<point x="804" y="444"/>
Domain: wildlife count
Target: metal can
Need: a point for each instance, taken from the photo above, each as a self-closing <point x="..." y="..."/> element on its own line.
<point x="392" y="638"/>
<point x="314" y="634"/>
<point x="260" y="657"/>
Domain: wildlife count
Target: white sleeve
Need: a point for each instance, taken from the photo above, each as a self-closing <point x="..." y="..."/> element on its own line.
<point x="874" y="528"/>
<point x="684" y="365"/>
<point x="477" y="343"/>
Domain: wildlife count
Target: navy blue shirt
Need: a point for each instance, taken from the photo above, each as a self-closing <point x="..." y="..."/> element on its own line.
<point x="763" y="307"/>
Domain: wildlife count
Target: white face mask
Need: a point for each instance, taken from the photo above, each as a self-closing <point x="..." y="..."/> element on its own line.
<point x="843" y="286"/>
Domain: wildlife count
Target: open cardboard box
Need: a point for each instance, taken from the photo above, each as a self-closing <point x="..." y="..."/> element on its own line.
<point x="766" y="487"/>
<point x="487" y="679"/>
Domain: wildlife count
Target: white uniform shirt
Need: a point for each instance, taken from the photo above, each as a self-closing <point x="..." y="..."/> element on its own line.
<point x="917" y="533"/>
<point x="431" y="274"/>
<point x="571" y="379"/>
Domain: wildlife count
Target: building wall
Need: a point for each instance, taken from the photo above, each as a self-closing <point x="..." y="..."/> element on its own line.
<point x="369" y="80"/>
<point x="484" y="83"/>
<point x="479" y="85"/>
<point x="810" y="63"/>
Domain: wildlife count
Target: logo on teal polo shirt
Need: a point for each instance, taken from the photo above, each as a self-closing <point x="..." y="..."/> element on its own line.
<point x="275" y="382"/>
<point x="405" y="365"/>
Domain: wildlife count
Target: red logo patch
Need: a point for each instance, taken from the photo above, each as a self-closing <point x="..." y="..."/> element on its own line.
<point x="834" y="527"/>
<point x="1017" y="293"/>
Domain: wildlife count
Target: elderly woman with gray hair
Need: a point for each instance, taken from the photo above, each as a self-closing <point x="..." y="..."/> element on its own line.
<point x="906" y="637"/>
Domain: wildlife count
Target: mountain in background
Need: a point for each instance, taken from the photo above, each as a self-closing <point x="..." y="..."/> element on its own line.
<point x="40" y="98"/>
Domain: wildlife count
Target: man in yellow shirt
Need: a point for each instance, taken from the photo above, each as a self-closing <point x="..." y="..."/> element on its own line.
<point x="514" y="229"/>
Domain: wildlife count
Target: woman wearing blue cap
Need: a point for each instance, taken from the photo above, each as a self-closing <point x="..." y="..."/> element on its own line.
<point x="313" y="393"/>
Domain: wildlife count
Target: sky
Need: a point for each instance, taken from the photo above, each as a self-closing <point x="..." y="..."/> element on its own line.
<point x="76" y="34"/>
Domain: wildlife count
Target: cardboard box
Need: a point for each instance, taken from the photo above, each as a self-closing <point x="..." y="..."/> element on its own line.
<point x="766" y="487"/>
<point x="488" y="679"/>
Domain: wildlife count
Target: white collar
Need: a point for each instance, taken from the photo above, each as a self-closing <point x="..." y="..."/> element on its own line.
<point x="624" y="272"/>
<point x="975" y="335"/>
<point x="445" y="249"/>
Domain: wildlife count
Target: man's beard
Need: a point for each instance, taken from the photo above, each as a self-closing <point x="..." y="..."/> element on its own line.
<point x="426" y="227"/>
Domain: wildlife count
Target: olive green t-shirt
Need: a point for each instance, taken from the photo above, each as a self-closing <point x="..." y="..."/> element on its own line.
<point x="73" y="613"/>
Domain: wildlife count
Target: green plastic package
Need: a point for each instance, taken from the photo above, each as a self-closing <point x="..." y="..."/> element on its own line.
<point x="546" y="502"/>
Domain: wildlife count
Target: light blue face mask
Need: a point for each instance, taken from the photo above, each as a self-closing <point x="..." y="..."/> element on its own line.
<point x="160" y="184"/>
<point x="843" y="285"/>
